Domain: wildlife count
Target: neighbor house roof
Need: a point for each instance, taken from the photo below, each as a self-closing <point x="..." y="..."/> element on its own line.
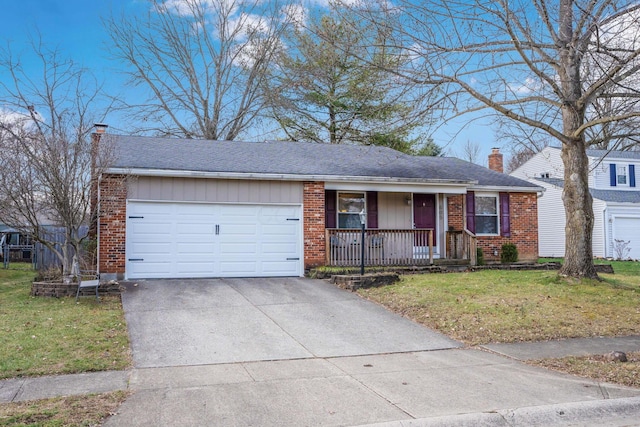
<point x="295" y="160"/>
<point x="632" y="155"/>
<point x="614" y="196"/>
<point x="610" y="154"/>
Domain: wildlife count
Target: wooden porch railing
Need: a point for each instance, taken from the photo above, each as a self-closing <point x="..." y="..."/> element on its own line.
<point x="462" y="245"/>
<point x="382" y="247"/>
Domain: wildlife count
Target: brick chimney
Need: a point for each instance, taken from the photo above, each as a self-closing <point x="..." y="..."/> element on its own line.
<point x="100" y="130"/>
<point x="495" y="160"/>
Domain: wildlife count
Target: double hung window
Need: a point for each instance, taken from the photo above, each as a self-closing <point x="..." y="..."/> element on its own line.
<point x="349" y="207"/>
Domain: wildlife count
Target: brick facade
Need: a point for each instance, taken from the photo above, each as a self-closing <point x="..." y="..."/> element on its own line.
<point x="523" y="213"/>
<point x="455" y="212"/>
<point x="112" y="226"/>
<point x="313" y="227"/>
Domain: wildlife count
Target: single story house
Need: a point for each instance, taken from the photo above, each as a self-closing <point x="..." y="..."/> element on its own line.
<point x="616" y="201"/>
<point x="173" y="208"/>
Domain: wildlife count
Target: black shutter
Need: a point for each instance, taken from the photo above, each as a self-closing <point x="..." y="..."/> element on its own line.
<point x="505" y="219"/>
<point x="612" y="174"/>
<point x="372" y="209"/>
<point x="471" y="211"/>
<point x="330" y="209"/>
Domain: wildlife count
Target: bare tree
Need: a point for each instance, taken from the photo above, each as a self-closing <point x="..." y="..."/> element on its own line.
<point x="46" y="154"/>
<point x="202" y="63"/>
<point x="541" y="63"/>
<point x="470" y="152"/>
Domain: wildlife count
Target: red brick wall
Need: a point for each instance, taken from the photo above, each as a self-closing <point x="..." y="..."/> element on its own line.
<point x="455" y="211"/>
<point x="313" y="227"/>
<point x="112" y="225"/>
<point x="523" y="212"/>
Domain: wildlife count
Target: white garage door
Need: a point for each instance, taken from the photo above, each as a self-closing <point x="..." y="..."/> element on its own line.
<point x="174" y="240"/>
<point x="627" y="229"/>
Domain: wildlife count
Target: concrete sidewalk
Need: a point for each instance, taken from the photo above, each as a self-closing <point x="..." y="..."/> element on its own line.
<point x="23" y="389"/>
<point x="431" y="388"/>
<point x="568" y="347"/>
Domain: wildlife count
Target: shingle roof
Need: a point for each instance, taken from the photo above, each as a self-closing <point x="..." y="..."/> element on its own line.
<point x="614" y="154"/>
<point x="296" y="158"/>
<point x="614" y="196"/>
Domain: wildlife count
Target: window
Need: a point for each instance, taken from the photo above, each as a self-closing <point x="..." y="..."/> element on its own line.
<point x="486" y="208"/>
<point x="349" y="207"/>
<point x="621" y="172"/>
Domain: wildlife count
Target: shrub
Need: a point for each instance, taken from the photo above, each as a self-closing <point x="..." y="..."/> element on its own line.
<point x="480" y="256"/>
<point x="509" y="253"/>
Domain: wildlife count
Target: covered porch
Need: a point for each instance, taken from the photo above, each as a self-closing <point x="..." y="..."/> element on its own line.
<point x="389" y="247"/>
<point x="401" y="228"/>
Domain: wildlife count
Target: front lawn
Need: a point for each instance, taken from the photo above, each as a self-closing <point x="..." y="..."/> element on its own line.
<point x="508" y="306"/>
<point x="88" y="410"/>
<point x="43" y="336"/>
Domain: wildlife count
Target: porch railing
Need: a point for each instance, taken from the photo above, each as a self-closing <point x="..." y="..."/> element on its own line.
<point x="382" y="247"/>
<point x="462" y="245"/>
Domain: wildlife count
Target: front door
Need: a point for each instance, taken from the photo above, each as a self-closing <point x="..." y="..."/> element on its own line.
<point x="424" y="216"/>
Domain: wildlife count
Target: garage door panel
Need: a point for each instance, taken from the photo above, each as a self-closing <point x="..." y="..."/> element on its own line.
<point x="238" y="248"/>
<point x="150" y="248"/>
<point x="627" y="229"/>
<point x="239" y="268"/>
<point x="186" y="269"/>
<point x="277" y="268"/>
<point x="180" y="240"/>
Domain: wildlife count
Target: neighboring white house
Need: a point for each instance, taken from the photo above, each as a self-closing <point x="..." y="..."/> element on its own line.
<point x="616" y="201"/>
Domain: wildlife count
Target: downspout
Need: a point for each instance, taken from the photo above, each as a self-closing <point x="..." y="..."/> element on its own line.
<point x="605" y="224"/>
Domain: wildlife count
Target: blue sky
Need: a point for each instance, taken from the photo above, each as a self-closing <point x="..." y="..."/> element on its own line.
<point x="75" y="27"/>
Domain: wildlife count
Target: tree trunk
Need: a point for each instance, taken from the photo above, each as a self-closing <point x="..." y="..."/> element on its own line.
<point x="578" y="261"/>
<point x="578" y="206"/>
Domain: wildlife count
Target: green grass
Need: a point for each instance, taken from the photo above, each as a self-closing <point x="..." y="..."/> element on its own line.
<point x="508" y="306"/>
<point x="88" y="410"/>
<point x="42" y="336"/>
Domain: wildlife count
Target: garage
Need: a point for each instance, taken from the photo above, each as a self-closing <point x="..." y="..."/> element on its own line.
<point x="191" y="240"/>
<point x="627" y="229"/>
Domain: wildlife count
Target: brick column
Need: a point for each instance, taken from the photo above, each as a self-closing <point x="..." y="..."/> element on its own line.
<point x="112" y="226"/>
<point x="455" y="212"/>
<point x="313" y="227"/>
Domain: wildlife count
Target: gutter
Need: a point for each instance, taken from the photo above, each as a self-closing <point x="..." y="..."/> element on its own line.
<point x="283" y="177"/>
<point x="535" y="189"/>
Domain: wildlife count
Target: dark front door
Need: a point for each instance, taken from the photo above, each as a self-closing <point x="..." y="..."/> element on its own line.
<point x="424" y="215"/>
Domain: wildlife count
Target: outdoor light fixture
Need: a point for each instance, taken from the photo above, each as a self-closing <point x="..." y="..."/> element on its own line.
<point x="363" y="220"/>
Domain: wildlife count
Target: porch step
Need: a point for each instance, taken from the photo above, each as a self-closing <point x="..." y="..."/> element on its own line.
<point x="451" y="262"/>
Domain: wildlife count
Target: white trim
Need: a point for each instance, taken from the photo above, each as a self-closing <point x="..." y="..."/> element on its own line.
<point x="618" y="175"/>
<point x="436" y="246"/>
<point x="366" y="210"/>
<point x="395" y="188"/>
<point x="205" y="202"/>
<point x="501" y="189"/>
<point x="282" y="177"/>
<point x="497" y="197"/>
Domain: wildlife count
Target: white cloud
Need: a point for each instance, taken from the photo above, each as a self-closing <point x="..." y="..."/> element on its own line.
<point x="186" y="7"/>
<point x="246" y="24"/>
<point x="530" y="85"/>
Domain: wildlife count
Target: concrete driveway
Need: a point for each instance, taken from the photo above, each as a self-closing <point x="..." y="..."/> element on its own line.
<point x="298" y="352"/>
<point x="213" y="321"/>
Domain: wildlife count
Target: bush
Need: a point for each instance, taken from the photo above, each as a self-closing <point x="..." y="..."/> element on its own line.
<point x="509" y="253"/>
<point x="480" y="256"/>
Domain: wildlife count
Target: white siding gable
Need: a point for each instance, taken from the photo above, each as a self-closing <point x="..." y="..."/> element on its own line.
<point x="545" y="164"/>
